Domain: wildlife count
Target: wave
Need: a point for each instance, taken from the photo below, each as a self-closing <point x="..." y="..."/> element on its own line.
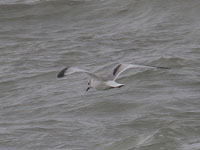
<point x="17" y="3"/>
<point x="34" y="7"/>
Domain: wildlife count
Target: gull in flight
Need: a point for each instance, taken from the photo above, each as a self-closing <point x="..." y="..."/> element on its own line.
<point x="101" y="83"/>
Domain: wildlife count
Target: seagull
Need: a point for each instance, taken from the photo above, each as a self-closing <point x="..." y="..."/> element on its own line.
<point x="100" y="83"/>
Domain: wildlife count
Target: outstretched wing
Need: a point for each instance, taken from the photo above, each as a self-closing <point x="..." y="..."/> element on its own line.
<point x="71" y="70"/>
<point x="123" y="67"/>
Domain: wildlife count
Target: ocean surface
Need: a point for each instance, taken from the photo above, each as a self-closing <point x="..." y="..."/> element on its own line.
<point x="155" y="110"/>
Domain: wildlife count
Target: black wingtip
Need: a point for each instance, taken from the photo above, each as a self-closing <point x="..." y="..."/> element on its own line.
<point x="162" y="67"/>
<point x="115" y="70"/>
<point x="62" y="73"/>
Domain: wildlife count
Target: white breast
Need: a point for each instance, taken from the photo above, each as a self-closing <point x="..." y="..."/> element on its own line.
<point x="100" y="85"/>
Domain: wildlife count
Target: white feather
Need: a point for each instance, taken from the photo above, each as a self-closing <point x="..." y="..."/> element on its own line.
<point x="123" y="67"/>
<point x="101" y="83"/>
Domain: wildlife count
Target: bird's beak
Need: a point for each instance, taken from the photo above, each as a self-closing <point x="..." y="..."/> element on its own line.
<point x="87" y="89"/>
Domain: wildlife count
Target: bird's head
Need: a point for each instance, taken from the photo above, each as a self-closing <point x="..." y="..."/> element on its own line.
<point x="89" y="85"/>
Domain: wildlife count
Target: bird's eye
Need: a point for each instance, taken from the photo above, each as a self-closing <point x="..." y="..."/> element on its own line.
<point x="88" y="83"/>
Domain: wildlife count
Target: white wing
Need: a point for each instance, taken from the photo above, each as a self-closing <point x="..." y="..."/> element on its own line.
<point x="70" y="70"/>
<point x="123" y="67"/>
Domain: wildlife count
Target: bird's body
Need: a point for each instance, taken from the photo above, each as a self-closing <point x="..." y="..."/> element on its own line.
<point x="104" y="84"/>
<point x="97" y="84"/>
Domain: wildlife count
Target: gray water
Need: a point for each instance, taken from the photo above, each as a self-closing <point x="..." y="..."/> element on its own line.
<point x="155" y="110"/>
